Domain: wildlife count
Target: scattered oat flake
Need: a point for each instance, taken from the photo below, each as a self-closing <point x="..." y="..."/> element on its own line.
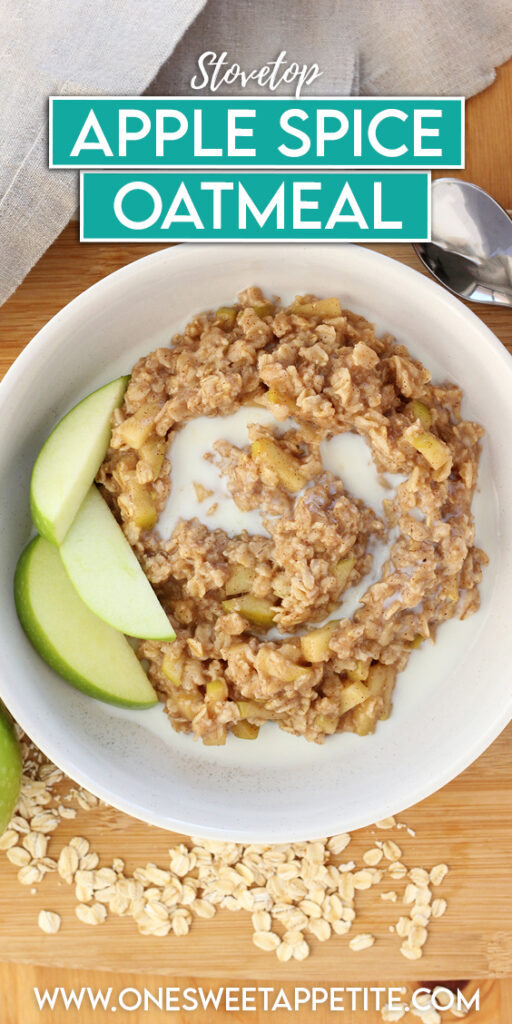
<point x="373" y="856"/>
<point x="79" y="844"/>
<point x="397" y="870"/>
<point x="300" y="950"/>
<point x="8" y="839"/>
<point x="386" y="823"/>
<point x="336" y="844"/>
<point x="18" y="856"/>
<point x="391" y="1016"/>
<point x="284" y="952"/>
<point x="391" y="850"/>
<point x="67" y="864"/>
<point x="320" y="928"/>
<point x="363" y="879"/>
<point x="362" y="941"/>
<point x="30" y="874"/>
<point x="438" y="874"/>
<point x="389" y="897"/>
<point x="66" y="812"/>
<point x="411" y="893"/>
<point x="341" y="927"/>
<point x="94" y="914"/>
<point x="429" y="1015"/>
<point x="49" y="922"/>
<point x="439" y="907"/>
<point x="411" y="952"/>
<point x="403" y="926"/>
<point x="296" y="893"/>
<point x="418" y="935"/>
<point x="267" y="941"/>
<point x="420" y="877"/>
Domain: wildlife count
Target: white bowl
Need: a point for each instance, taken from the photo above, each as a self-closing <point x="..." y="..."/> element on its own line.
<point x="453" y="699"/>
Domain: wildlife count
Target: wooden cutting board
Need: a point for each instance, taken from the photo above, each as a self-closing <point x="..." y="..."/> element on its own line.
<point x="468" y="824"/>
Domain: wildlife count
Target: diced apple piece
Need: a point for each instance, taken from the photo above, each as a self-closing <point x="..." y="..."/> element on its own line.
<point x="255" y="609"/>
<point x="136" y="429"/>
<point x="226" y="317"/>
<point x="320" y="307"/>
<point x="364" y="717"/>
<point x="251" y="709"/>
<point x="315" y="644"/>
<point x="435" y="451"/>
<point x="276" y="397"/>
<point x="105" y="572"/>
<point x="189" y="703"/>
<point x="172" y="667"/>
<point x="10" y="768"/>
<point x="381" y="679"/>
<point x="69" y="460"/>
<point x="327" y="724"/>
<point x="360" y="672"/>
<point x="245" y="731"/>
<point x="343" y="570"/>
<point x="351" y="696"/>
<point x="263" y="308"/>
<point x="89" y="654"/>
<point x="153" y="452"/>
<point x="421" y="412"/>
<point x="418" y="640"/>
<point x="267" y="452"/>
<point x="217" y="738"/>
<point x="217" y="690"/>
<point x="281" y="667"/>
<point x="240" y="580"/>
<point x="143" y="513"/>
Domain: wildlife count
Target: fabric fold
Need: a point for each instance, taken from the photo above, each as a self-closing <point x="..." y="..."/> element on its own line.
<point x="126" y="47"/>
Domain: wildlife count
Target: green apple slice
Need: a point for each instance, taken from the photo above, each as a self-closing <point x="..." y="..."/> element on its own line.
<point x="10" y="768"/>
<point x="105" y="572"/>
<point x="85" y="651"/>
<point x="69" y="460"/>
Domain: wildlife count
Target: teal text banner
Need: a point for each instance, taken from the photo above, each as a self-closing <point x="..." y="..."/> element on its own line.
<point x="177" y="132"/>
<point x="257" y="206"/>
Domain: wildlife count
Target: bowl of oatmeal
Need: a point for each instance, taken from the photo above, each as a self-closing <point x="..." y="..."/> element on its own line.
<point x="311" y="466"/>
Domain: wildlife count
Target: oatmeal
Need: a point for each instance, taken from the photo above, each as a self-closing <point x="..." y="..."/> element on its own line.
<point x="253" y="614"/>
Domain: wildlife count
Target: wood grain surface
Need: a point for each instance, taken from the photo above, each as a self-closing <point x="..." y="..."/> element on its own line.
<point x="489" y="139"/>
<point x="468" y="823"/>
<point x="495" y="1000"/>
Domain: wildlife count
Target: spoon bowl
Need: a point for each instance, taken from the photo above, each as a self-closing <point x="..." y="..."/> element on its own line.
<point x="471" y="248"/>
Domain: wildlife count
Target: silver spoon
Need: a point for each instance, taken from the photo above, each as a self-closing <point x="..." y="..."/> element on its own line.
<point x="471" y="248"/>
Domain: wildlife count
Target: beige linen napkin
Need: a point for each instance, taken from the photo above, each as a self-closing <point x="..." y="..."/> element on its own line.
<point x="64" y="46"/>
<point x="432" y="47"/>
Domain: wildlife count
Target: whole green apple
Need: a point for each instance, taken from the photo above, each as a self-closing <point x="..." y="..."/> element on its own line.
<point x="10" y="768"/>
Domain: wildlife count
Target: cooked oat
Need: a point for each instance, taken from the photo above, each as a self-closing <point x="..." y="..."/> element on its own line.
<point x="327" y="369"/>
